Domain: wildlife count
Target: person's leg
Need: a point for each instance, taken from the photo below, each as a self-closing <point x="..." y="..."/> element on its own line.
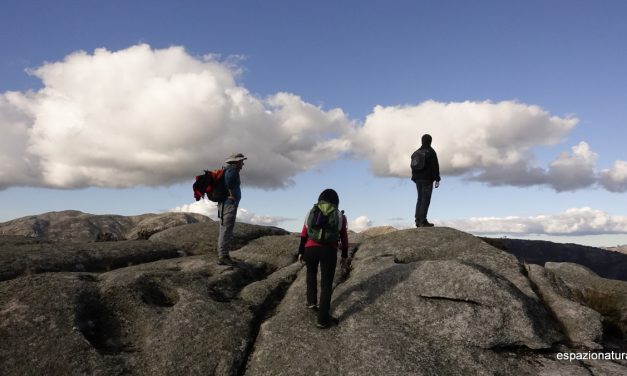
<point x="425" y="189"/>
<point x="328" y="261"/>
<point x="312" y="259"/>
<point x="227" y="223"/>
<point x="417" y="212"/>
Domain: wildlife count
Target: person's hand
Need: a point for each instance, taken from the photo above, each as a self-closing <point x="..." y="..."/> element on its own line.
<point x="437" y="184"/>
<point x="301" y="259"/>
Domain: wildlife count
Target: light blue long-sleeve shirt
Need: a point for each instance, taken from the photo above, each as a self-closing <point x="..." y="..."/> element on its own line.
<point x="232" y="182"/>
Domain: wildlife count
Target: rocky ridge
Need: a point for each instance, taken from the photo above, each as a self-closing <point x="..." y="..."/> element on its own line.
<point x="606" y="263"/>
<point x="423" y="301"/>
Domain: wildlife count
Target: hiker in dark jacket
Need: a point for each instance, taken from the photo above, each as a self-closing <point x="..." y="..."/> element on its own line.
<point x="424" y="178"/>
<point x="227" y="209"/>
<point x="331" y="225"/>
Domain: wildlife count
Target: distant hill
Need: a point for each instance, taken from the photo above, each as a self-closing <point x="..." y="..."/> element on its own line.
<point x="607" y="264"/>
<point x="620" y="248"/>
<point x="72" y="225"/>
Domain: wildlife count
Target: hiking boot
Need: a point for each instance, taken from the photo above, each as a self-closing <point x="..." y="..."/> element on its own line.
<point x="332" y="322"/>
<point x="424" y="224"/>
<point x="226" y="260"/>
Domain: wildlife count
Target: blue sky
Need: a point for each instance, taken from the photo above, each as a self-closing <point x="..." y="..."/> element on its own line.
<point x="112" y="108"/>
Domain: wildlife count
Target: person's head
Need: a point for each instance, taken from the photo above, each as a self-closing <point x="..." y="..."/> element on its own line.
<point x="330" y="196"/>
<point x="236" y="160"/>
<point x="426" y="139"/>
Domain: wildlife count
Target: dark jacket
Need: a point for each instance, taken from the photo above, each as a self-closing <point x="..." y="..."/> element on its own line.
<point x="431" y="171"/>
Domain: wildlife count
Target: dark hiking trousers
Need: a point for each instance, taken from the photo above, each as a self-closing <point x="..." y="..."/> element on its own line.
<point x="424" y="188"/>
<point x="326" y="257"/>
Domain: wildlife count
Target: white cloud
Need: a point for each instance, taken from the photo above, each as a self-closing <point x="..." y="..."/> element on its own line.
<point x="149" y="117"/>
<point x="467" y="136"/>
<point x="483" y="141"/>
<point x="575" y="170"/>
<point x="360" y="224"/>
<point x="209" y="209"/>
<point x="140" y="116"/>
<point x="576" y="221"/>
<point x="16" y="166"/>
<point x="615" y="179"/>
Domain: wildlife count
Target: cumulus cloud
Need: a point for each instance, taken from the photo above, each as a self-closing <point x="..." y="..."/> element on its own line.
<point x="615" y="179"/>
<point x="568" y="172"/>
<point x="482" y="141"/>
<point x="468" y="135"/>
<point x="571" y="171"/>
<point x="576" y="221"/>
<point x="141" y="116"/>
<point x="209" y="208"/>
<point x="360" y="224"/>
<point x="148" y="117"/>
<point x="16" y="166"/>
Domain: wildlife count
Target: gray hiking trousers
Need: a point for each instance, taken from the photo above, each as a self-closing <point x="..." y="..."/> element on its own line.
<point x="227" y="212"/>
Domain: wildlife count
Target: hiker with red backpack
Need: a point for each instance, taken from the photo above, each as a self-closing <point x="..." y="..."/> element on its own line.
<point x="227" y="206"/>
<point x="324" y="226"/>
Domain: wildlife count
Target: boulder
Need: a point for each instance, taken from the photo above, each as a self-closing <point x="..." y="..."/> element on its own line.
<point x="151" y="225"/>
<point x="32" y="256"/>
<point x="76" y="226"/>
<point x="420" y="302"/>
<point x="276" y="251"/>
<point x="582" y="325"/>
<point x="202" y="238"/>
<point x="173" y="316"/>
<point x="606" y="296"/>
<point x="607" y="264"/>
<point x="68" y="225"/>
<point x="358" y="237"/>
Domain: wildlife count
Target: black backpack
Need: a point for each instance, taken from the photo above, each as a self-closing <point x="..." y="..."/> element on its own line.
<point x="419" y="160"/>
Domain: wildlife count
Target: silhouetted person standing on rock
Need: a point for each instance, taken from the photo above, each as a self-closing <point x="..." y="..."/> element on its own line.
<point x="324" y="226"/>
<point x="227" y="209"/>
<point x="425" y="170"/>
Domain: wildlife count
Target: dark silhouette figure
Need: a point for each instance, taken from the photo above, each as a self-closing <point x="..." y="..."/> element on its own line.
<point x="425" y="170"/>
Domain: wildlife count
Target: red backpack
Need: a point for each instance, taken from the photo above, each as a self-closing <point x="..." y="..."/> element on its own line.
<point x="211" y="183"/>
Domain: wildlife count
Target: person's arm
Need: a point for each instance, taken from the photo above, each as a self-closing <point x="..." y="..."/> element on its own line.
<point x="229" y="182"/>
<point x="345" y="261"/>
<point x="344" y="237"/>
<point x="436" y="169"/>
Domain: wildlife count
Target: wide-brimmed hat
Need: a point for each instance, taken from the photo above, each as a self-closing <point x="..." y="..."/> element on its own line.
<point x="233" y="158"/>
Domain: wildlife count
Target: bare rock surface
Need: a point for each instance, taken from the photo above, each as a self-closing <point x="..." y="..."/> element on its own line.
<point x="423" y="301"/>
<point x="606" y="296"/>
<point x="358" y="237"/>
<point x="76" y="226"/>
<point x="201" y="238"/>
<point x="620" y="248"/>
<point x="582" y="325"/>
<point x="20" y="255"/>
<point x="172" y="316"/>
<point x="607" y="264"/>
